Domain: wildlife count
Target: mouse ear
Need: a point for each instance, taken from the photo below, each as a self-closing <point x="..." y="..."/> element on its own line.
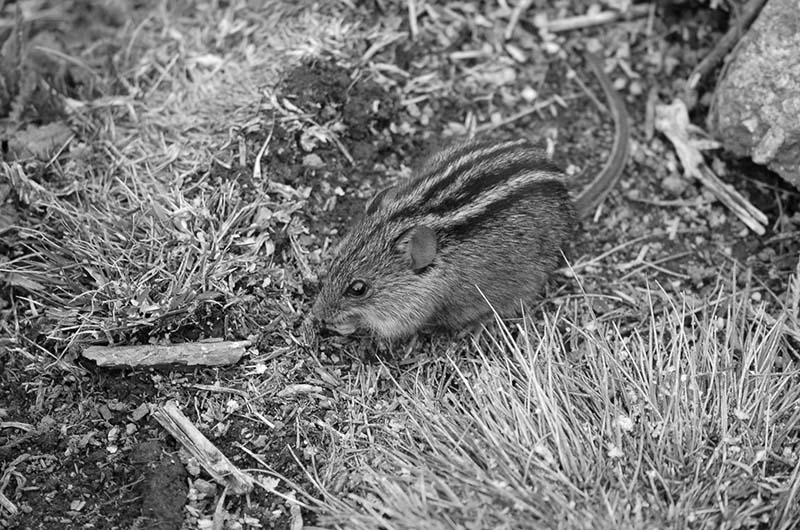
<point x="421" y="247"/>
<point x="380" y="199"/>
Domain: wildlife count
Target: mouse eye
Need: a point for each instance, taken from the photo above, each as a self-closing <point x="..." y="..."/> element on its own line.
<point x="356" y="289"/>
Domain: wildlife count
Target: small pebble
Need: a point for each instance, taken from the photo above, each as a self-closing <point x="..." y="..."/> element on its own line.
<point x="529" y="94"/>
<point x="674" y="184"/>
<point x="313" y="161"/>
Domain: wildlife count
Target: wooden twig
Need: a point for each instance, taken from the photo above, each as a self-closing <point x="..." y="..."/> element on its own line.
<point x="678" y="203"/>
<point x="57" y="14"/>
<point x="514" y="20"/>
<point x="342" y="149"/>
<point x="725" y="44"/>
<point x="412" y="18"/>
<point x="514" y="117"/>
<point x="586" y="21"/>
<point x="572" y="268"/>
<point x="212" y="459"/>
<point x="257" y="173"/>
<point x="204" y="353"/>
<point x="650" y="113"/>
<point x="673" y="121"/>
<point x="384" y="41"/>
<point x="7" y="505"/>
<point x="9" y="470"/>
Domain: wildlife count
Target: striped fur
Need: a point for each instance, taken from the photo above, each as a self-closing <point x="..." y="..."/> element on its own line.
<point x="473" y="175"/>
<point x="500" y="213"/>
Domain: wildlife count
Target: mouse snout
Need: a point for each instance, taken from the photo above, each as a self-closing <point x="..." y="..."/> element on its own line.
<point x="325" y="316"/>
<point x="339" y="325"/>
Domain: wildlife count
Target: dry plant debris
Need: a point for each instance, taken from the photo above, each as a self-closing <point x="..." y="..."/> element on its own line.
<point x="213" y="461"/>
<point x="173" y="172"/>
<point x="673" y="121"/>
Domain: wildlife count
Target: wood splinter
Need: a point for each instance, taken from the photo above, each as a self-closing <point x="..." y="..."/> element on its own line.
<point x="212" y="459"/>
<point x="203" y="353"/>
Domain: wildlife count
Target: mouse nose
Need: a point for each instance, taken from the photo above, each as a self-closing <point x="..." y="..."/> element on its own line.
<point x="316" y="318"/>
<point x="318" y="310"/>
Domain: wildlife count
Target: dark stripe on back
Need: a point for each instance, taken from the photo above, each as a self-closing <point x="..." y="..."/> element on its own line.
<point x="461" y="159"/>
<point x="460" y="150"/>
<point x="484" y="182"/>
<point x="478" y="183"/>
<point x="545" y="190"/>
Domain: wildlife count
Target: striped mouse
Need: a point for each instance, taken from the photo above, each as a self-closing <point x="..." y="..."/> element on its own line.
<point x="481" y="222"/>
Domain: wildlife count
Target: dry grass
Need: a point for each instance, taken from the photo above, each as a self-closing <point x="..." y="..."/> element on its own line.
<point x="153" y="215"/>
<point x="688" y="420"/>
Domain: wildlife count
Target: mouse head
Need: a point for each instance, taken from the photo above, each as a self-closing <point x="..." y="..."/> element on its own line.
<point x="379" y="279"/>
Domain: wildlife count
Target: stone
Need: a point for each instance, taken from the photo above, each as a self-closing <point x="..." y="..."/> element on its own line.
<point x="756" y="106"/>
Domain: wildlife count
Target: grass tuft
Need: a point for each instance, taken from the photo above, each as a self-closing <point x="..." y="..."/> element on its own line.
<point x="149" y="215"/>
<point x="688" y="421"/>
<point x="122" y="257"/>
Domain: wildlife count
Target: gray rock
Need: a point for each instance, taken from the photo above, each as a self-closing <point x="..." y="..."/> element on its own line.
<point x="756" y="108"/>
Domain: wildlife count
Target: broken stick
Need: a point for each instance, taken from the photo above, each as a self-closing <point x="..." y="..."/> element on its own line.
<point x="212" y="459"/>
<point x="203" y="353"/>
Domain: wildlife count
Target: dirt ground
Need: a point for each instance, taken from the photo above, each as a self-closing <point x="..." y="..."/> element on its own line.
<point x="89" y="456"/>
